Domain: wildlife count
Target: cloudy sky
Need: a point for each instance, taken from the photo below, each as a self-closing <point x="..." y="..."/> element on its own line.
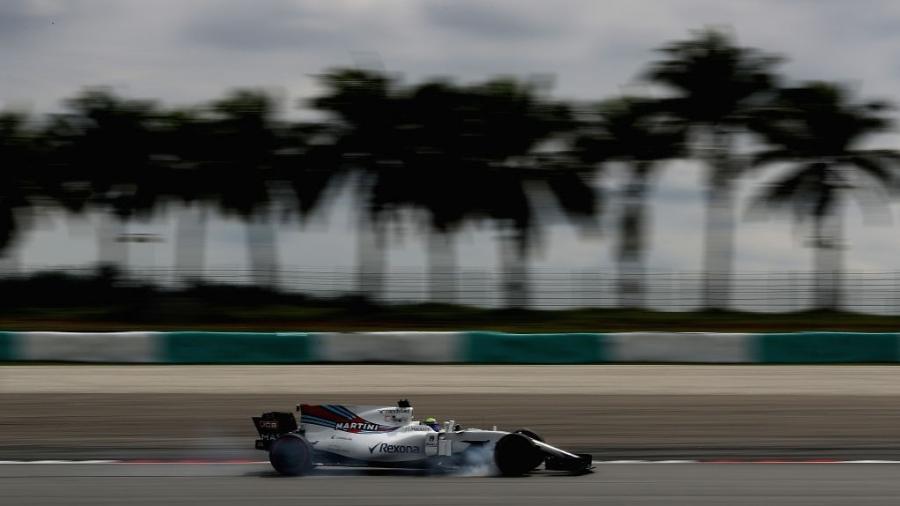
<point x="184" y="51"/>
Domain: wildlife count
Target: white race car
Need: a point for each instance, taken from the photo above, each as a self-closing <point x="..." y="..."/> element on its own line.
<point x="332" y="434"/>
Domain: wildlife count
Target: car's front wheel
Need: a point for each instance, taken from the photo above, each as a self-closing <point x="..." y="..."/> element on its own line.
<point x="516" y="454"/>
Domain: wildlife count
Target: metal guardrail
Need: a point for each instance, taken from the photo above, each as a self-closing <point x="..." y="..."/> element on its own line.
<point x="864" y="292"/>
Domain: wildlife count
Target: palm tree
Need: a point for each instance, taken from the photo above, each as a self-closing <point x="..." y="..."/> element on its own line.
<point x="458" y="153"/>
<point x="819" y="129"/>
<point x="109" y="154"/>
<point x="243" y="143"/>
<point x="440" y="172"/>
<point x="306" y="164"/>
<point x="281" y="168"/>
<point x="19" y="177"/>
<point x="715" y="84"/>
<point x="187" y="147"/>
<point x="516" y="140"/>
<point x="365" y="110"/>
<point x="634" y="132"/>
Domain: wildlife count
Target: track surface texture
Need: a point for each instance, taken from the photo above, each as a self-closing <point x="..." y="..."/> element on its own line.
<point x="92" y="426"/>
<point x="617" y="411"/>
<point x="645" y="485"/>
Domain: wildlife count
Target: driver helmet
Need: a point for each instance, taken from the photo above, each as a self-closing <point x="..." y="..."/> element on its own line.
<point x="432" y="422"/>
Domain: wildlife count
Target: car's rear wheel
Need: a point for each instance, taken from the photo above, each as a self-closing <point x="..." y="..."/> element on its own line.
<point x="291" y="455"/>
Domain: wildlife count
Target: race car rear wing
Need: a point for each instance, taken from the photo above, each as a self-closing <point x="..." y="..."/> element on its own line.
<point x="271" y="426"/>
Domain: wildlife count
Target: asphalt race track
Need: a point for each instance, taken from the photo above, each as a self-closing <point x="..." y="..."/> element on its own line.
<point x="708" y="413"/>
<point x="127" y="412"/>
<point x="622" y="484"/>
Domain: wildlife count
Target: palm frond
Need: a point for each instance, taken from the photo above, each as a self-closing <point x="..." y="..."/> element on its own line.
<point x="770" y="156"/>
<point x="873" y="167"/>
<point x="796" y="191"/>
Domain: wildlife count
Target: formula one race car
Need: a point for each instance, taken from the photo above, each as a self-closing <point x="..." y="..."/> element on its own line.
<point x="373" y="436"/>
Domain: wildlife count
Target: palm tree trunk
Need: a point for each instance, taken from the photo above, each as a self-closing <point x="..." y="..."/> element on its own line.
<point x="112" y="245"/>
<point x="514" y="270"/>
<point x="828" y="263"/>
<point x="10" y="262"/>
<point x="11" y="252"/>
<point x="371" y="244"/>
<point x="718" y="254"/>
<point x="263" y="250"/>
<point x="190" y="244"/>
<point x="441" y="267"/>
<point x="632" y="238"/>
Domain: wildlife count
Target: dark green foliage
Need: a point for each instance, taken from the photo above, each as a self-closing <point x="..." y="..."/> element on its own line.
<point x="641" y="134"/>
<point x="819" y="130"/>
<point x="19" y="178"/>
<point x="443" y="156"/>
<point x="715" y="85"/>
<point x="715" y="82"/>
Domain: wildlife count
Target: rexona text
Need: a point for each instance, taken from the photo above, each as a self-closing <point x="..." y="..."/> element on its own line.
<point x="388" y="448"/>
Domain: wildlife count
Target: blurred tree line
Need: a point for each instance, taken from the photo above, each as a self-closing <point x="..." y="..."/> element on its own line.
<point x="495" y="153"/>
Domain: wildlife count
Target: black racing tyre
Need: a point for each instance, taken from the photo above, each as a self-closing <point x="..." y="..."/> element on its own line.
<point x="515" y="455"/>
<point x="291" y="455"/>
<point x="530" y="433"/>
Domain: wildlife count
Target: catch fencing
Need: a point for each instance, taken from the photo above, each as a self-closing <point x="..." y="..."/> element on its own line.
<point x="767" y="292"/>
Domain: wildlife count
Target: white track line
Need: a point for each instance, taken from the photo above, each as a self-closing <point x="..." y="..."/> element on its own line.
<point x="44" y="462"/>
<point x="596" y="462"/>
<point x="647" y="462"/>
